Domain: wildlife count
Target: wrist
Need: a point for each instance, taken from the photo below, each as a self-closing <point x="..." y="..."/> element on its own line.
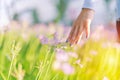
<point x="88" y="13"/>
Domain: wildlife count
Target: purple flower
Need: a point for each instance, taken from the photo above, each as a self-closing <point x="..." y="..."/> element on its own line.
<point x="44" y="40"/>
<point x="55" y="38"/>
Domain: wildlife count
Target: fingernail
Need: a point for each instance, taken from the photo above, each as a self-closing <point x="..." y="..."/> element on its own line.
<point x="87" y="37"/>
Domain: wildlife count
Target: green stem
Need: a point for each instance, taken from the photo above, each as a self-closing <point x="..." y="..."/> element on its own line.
<point x="2" y="75"/>
<point x="37" y="75"/>
<point x="40" y="71"/>
<point x="48" y="67"/>
<point x="44" y="64"/>
<point x="65" y="77"/>
<point x="10" y="67"/>
<point x="55" y="76"/>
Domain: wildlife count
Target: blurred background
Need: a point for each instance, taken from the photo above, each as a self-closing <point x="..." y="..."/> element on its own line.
<point x="33" y="44"/>
<point x="49" y="11"/>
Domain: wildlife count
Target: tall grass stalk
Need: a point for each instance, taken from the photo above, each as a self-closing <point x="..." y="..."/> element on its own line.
<point x="10" y="67"/>
<point x="65" y="77"/>
<point x="40" y="68"/>
<point x="54" y="78"/>
<point x="15" y="50"/>
<point x="46" y="57"/>
<point x="2" y="75"/>
<point x="49" y="66"/>
<point x="13" y="56"/>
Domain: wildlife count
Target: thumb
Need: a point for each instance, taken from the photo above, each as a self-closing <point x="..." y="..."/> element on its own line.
<point x="87" y="29"/>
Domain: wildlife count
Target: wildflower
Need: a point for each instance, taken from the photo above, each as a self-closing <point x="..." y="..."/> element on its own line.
<point x="43" y="40"/>
<point x="62" y="56"/>
<point x="78" y="63"/>
<point x="74" y="55"/>
<point x="61" y="62"/>
<point x="105" y="78"/>
<point x="93" y="52"/>
<point x="57" y="65"/>
<point x="67" y="69"/>
<point x="106" y="44"/>
<point x="81" y="65"/>
<point x="54" y="40"/>
<point x="116" y="45"/>
<point x="55" y="37"/>
<point x="88" y="59"/>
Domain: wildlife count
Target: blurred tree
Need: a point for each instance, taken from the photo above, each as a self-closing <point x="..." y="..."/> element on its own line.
<point x="61" y="6"/>
<point x="15" y="16"/>
<point x="108" y="3"/>
<point x="35" y="16"/>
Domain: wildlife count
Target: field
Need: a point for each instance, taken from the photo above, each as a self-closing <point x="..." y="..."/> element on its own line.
<point x="40" y="53"/>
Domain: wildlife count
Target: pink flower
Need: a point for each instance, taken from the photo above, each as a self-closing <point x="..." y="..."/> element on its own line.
<point x="88" y="59"/>
<point x="77" y="61"/>
<point x="62" y="56"/>
<point x="67" y="69"/>
<point x="116" y="45"/>
<point x="106" y="44"/>
<point x="93" y="52"/>
<point x="74" y="55"/>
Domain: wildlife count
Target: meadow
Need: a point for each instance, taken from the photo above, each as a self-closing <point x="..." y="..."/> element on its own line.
<point x="40" y="53"/>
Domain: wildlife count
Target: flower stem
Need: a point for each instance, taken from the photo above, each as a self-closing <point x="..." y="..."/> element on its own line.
<point x="10" y="67"/>
<point x="2" y="75"/>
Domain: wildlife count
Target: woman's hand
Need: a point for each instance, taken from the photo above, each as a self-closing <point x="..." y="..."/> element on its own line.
<point x="81" y="24"/>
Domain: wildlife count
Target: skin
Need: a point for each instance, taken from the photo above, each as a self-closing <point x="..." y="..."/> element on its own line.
<point x="81" y="24"/>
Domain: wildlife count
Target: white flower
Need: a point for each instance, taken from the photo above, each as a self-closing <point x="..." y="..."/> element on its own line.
<point x="105" y="78"/>
<point x="57" y="65"/>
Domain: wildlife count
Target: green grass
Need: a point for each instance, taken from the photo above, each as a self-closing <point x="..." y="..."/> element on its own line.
<point x="27" y="59"/>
